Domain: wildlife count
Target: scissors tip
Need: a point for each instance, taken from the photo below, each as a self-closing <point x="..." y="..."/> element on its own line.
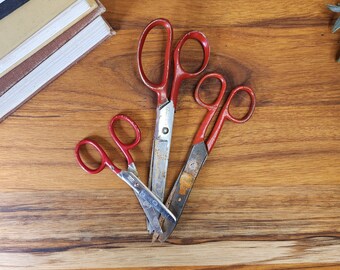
<point x="155" y="237"/>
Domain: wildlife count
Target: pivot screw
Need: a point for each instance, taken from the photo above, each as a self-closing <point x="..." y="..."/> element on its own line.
<point x="165" y="130"/>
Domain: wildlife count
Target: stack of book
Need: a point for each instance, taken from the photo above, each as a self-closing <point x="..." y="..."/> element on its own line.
<point x="40" y="39"/>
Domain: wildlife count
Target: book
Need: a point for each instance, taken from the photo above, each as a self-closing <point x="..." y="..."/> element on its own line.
<point x="52" y="19"/>
<point x="21" y="24"/>
<point x="17" y="73"/>
<point x="72" y="51"/>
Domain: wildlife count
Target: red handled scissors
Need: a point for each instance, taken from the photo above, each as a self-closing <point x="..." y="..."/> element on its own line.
<point x="201" y="147"/>
<point x="166" y="104"/>
<point x="151" y="205"/>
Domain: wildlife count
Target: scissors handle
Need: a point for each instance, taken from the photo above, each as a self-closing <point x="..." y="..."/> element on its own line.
<point x="159" y="88"/>
<point x="212" y="108"/>
<point x="179" y="73"/>
<point x="125" y="147"/>
<point x="226" y="115"/>
<point x="105" y="160"/>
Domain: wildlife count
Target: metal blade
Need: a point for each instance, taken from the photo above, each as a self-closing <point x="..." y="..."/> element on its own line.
<point x="151" y="215"/>
<point x="161" y="150"/>
<point x="142" y="191"/>
<point x="132" y="168"/>
<point x="182" y="188"/>
<point x="148" y="225"/>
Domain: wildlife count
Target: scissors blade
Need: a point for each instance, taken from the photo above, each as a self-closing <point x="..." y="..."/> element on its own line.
<point x="142" y="191"/>
<point x="182" y="187"/>
<point x="132" y="168"/>
<point x="161" y="150"/>
<point x="151" y="215"/>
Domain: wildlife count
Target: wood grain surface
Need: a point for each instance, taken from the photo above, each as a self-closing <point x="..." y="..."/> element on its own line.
<point x="267" y="198"/>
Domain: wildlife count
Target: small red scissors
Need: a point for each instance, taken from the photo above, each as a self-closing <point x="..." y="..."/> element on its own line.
<point x="151" y="205"/>
<point x="201" y="148"/>
<point x="166" y="104"/>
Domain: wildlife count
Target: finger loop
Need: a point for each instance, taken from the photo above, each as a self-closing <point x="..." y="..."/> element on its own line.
<point x="160" y="87"/>
<point x="222" y="91"/>
<point x="82" y="164"/>
<point x="202" y="39"/>
<point x="134" y="126"/>
<point x="251" y="108"/>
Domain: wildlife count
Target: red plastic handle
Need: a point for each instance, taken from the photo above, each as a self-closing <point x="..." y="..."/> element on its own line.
<point x="123" y="146"/>
<point x="226" y="115"/>
<point x="179" y="73"/>
<point x="161" y="88"/>
<point x="212" y="108"/>
<point x="105" y="161"/>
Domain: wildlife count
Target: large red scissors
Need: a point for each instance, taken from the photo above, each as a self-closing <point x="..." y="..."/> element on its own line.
<point x="201" y="148"/>
<point x="151" y="205"/>
<point x="166" y="103"/>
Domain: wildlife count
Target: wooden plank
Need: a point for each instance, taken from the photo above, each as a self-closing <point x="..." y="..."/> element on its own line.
<point x="269" y="194"/>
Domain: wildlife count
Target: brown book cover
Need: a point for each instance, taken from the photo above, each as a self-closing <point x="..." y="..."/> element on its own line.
<point x="16" y="74"/>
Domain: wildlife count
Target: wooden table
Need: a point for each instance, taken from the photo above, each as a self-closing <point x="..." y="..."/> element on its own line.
<point x="269" y="193"/>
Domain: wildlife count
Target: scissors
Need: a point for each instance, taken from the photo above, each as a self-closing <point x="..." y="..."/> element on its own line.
<point x="166" y="105"/>
<point x="151" y="205"/>
<point x="201" y="148"/>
